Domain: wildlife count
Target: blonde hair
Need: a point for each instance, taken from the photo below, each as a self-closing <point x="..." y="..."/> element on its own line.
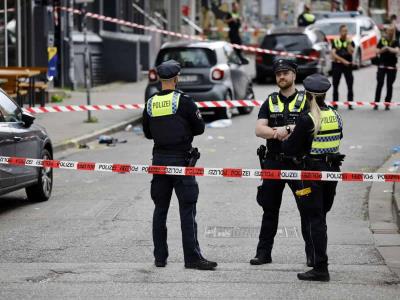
<point x="315" y="109"/>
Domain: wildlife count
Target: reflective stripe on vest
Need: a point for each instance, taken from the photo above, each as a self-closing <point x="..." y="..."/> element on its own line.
<point x="163" y="105"/>
<point x="339" y="44"/>
<point x="327" y="140"/>
<point x="296" y="105"/>
<point x="309" y="17"/>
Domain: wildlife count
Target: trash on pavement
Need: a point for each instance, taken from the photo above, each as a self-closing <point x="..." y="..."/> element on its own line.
<point x="220" y="123"/>
<point x="138" y="130"/>
<point x="128" y="127"/>
<point x="106" y="139"/>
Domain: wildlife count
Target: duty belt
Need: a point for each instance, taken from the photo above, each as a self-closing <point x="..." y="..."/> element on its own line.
<point x="328" y="158"/>
<point x="279" y="157"/>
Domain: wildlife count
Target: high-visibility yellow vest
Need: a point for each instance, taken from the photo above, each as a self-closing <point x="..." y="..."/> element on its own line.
<point x="385" y="42"/>
<point x="309" y="17"/>
<point x="327" y="140"/>
<point x="163" y="105"/>
<point x="339" y="44"/>
<point x="296" y="105"/>
<point x="235" y="15"/>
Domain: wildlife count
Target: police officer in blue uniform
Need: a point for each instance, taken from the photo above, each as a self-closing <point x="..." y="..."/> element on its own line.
<point x="276" y="120"/>
<point x="315" y="143"/>
<point x="172" y="119"/>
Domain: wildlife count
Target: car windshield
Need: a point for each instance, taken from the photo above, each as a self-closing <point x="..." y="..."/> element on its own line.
<point x="333" y="28"/>
<point x="287" y="42"/>
<point x="188" y="57"/>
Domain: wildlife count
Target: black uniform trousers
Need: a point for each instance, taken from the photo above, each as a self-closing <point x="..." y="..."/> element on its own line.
<point x="321" y="192"/>
<point x="187" y="191"/>
<point x="390" y="78"/>
<point x="313" y="223"/>
<point x="337" y="71"/>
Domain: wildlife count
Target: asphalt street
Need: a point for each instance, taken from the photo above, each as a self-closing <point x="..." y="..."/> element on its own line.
<point x="92" y="239"/>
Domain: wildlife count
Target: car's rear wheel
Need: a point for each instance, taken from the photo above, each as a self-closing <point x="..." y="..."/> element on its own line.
<point x="247" y="109"/>
<point x="41" y="191"/>
<point x="225" y="112"/>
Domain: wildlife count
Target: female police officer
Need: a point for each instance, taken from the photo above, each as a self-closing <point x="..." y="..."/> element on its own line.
<point x="315" y="141"/>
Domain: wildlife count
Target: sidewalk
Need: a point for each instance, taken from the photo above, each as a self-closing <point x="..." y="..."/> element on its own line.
<point x="383" y="209"/>
<point x="68" y="129"/>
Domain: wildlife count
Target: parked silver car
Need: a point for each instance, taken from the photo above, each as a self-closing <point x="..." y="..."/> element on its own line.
<point x="210" y="71"/>
<point x="19" y="137"/>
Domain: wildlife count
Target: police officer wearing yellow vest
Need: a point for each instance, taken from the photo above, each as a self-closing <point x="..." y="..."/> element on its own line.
<point x="342" y="57"/>
<point x="276" y="120"/>
<point x="315" y="142"/>
<point x="387" y="49"/>
<point x="306" y="18"/>
<point x="172" y="119"/>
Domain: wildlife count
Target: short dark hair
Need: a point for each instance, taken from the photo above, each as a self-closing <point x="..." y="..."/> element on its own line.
<point x="342" y="26"/>
<point x="393" y="17"/>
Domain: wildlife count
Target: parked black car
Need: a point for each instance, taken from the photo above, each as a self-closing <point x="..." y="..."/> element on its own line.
<point x="21" y="138"/>
<point x="210" y="71"/>
<point x="304" y="41"/>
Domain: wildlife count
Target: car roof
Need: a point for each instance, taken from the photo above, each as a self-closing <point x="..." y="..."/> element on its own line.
<point x="195" y="44"/>
<point x="293" y="30"/>
<point x="343" y="20"/>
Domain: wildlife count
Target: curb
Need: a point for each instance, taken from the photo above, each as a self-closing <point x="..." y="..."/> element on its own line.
<point x="383" y="205"/>
<point x="74" y="143"/>
<point x="396" y="204"/>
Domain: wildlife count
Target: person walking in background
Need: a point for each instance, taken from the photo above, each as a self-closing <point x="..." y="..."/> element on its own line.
<point x="387" y="49"/>
<point x="233" y="20"/>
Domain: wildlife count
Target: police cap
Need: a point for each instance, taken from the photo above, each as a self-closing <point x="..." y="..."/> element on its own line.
<point x="317" y="84"/>
<point x="168" y="69"/>
<point x="284" y="64"/>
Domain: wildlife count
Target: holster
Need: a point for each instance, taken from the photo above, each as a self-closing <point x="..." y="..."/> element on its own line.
<point x="192" y="157"/>
<point x="261" y="153"/>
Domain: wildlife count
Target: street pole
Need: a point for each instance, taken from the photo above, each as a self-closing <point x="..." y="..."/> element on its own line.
<point x="5" y="34"/>
<point x="71" y="70"/>
<point x="87" y="60"/>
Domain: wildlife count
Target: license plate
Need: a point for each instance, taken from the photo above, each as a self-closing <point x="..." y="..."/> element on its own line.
<point x="286" y="58"/>
<point x="188" y="78"/>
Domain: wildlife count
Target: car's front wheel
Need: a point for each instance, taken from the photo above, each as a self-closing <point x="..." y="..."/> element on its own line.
<point x="41" y="191"/>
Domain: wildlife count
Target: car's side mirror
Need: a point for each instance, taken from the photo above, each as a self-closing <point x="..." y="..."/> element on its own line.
<point x="27" y="119"/>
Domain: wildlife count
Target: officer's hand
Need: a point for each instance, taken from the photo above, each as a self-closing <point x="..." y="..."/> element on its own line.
<point x="281" y="133"/>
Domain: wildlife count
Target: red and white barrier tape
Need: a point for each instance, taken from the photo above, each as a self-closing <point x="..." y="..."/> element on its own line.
<point x="204" y="172"/>
<point x="200" y="104"/>
<point x="192" y="37"/>
<point x="181" y="35"/>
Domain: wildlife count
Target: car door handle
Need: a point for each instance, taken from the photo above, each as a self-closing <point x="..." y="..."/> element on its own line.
<point x="17" y="138"/>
